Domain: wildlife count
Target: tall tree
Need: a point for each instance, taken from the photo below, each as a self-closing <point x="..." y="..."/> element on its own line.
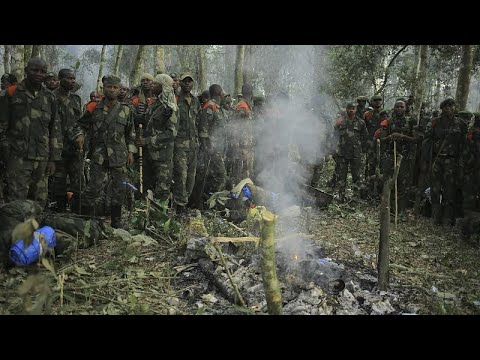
<point x="6" y="57"/>
<point x="138" y="65"/>
<point x="421" y="77"/>
<point x="100" y="69"/>
<point x="118" y="59"/>
<point x="27" y="53"/>
<point x="202" y="70"/>
<point x="159" y="59"/>
<point x="17" y="64"/>
<point x="239" y="68"/>
<point x="248" y="65"/>
<point x="464" y="75"/>
<point x="36" y="50"/>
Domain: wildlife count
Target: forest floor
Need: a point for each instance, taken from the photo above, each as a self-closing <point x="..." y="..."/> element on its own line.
<point x="432" y="271"/>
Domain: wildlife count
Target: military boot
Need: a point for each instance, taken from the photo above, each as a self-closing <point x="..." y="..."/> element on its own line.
<point x="116" y="217"/>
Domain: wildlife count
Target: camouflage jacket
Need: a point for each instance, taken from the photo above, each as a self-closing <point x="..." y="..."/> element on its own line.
<point x="160" y="131"/>
<point x="406" y="126"/>
<point x="110" y="132"/>
<point x="352" y="135"/>
<point x="69" y="110"/>
<point x="29" y="125"/>
<point x="140" y="105"/>
<point x="448" y="137"/>
<point x="212" y="125"/>
<point x="187" y="119"/>
<point x="372" y="121"/>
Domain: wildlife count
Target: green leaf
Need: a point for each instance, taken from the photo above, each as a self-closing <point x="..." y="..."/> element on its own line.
<point x="166" y="226"/>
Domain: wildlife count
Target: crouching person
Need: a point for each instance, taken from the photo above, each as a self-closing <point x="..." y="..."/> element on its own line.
<point x="109" y="125"/>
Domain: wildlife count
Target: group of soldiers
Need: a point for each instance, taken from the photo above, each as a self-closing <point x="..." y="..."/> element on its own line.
<point x="440" y="152"/>
<point x="46" y="136"/>
<point x="185" y="147"/>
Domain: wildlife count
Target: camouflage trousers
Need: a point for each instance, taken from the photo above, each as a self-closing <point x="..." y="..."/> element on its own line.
<point x="184" y="170"/>
<point x="343" y="165"/>
<point x="371" y="159"/>
<point x="404" y="179"/>
<point x="26" y="179"/>
<point x="70" y="166"/>
<point x="157" y="174"/>
<point x="97" y="176"/>
<point x="217" y="174"/>
<point x="444" y="182"/>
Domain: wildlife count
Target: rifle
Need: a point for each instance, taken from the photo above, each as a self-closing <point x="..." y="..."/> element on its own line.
<point x="82" y="172"/>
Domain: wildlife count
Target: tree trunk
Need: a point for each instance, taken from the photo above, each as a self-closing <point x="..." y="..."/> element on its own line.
<point x="239" y="69"/>
<point x="160" y="59"/>
<point x="383" y="251"/>
<point x="100" y="69"/>
<point x="36" y="50"/>
<point x="43" y="51"/>
<point x="27" y="54"/>
<point x="138" y="66"/>
<point x="464" y="75"/>
<point x="118" y="60"/>
<point x="6" y="58"/>
<point x="17" y="64"/>
<point x="415" y="69"/>
<point x="248" y="65"/>
<point x="202" y="69"/>
<point x="421" y="81"/>
<point x="269" y="267"/>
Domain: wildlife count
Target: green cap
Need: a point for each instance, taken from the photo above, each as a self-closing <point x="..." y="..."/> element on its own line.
<point x="112" y="80"/>
<point x="50" y="75"/>
<point x="384" y="112"/>
<point x="350" y="104"/>
<point x="375" y="97"/>
<point x="185" y="75"/>
<point x="362" y="98"/>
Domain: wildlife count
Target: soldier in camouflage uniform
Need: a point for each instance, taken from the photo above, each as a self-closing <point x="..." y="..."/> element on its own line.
<point x="7" y="80"/>
<point x="241" y="139"/>
<point x="372" y="120"/>
<point x="111" y="133"/>
<point x="143" y="100"/>
<point x="52" y="81"/>
<point x="447" y="163"/>
<point x="69" y="110"/>
<point x="352" y="134"/>
<point x="159" y="138"/>
<point x="361" y="106"/>
<point x="466" y="118"/>
<point x="176" y="83"/>
<point x="186" y="144"/>
<point x="211" y="136"/>
<point x="399" y="129"/>
<point x="30" y="136"/>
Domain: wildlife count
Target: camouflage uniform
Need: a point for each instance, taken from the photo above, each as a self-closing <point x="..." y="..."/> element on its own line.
<point x="69" y="110"/>
<point x="241" y="142"/>
<point x="30" y="136"/>
<point x="111" y="137"/>
<point x="185" y="149"/>
<point x="351" y="144"/>
<point x="402" y="125"/>
<point x="372" y="120"/>
<point x="159" y="135"/>
<point x="211" y="134"/>
<point x="448" y="144"/>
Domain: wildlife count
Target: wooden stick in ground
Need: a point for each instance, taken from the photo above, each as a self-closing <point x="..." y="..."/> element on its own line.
<point x="230" y="277"/>
<point x="395" y="167"/>
<point x="269" y="267"/>
<point x="383" y="251"/>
